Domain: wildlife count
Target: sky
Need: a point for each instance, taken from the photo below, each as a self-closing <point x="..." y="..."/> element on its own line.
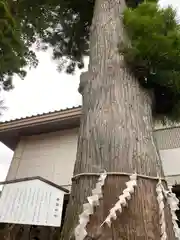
<point x="43" y="90"/>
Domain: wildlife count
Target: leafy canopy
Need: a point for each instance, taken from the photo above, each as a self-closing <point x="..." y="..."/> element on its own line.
<point x="14" y="53"/>
<point x="154" y="55"/>
<point x="62" y="24"/>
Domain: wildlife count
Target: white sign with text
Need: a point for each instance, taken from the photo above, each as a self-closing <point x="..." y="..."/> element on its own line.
<point x="32" y="202"/>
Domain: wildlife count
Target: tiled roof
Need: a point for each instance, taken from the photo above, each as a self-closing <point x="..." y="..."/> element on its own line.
<point x="168" y="138"/>
<point x="40" y="114"/>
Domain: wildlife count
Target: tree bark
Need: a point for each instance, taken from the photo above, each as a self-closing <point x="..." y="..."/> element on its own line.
<point x="115" y="135"/>
<point x="27" y="232"/>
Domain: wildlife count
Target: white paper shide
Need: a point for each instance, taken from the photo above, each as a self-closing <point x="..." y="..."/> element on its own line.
<point x="173" y="202"/>
<point x="122" y="202"/>
<point x="88" y="208"/>
<point x="160" y="199"/>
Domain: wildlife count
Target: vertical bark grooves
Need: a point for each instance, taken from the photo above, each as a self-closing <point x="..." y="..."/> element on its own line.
<point x="115" y="135"/>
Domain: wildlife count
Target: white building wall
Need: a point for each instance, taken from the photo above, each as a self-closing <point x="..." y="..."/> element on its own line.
<point x="168" y="141"/>
<point x="51" y="156"/>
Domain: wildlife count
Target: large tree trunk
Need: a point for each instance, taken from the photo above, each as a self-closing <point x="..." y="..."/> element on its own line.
<point x="115" y="135"/>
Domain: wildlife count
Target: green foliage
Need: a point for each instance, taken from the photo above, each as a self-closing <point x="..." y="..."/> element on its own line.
<point x="154" y="55"/>
<point x="70" y="38"/>
<point x="14" y="54"/>
<point x="133" y="3"/>
<point x="62" y="24"/>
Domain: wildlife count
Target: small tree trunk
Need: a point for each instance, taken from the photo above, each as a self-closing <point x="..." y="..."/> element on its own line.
<point x="115" y="135"/>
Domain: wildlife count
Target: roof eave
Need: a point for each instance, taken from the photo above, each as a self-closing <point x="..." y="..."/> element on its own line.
<point x="10" y="132"/>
